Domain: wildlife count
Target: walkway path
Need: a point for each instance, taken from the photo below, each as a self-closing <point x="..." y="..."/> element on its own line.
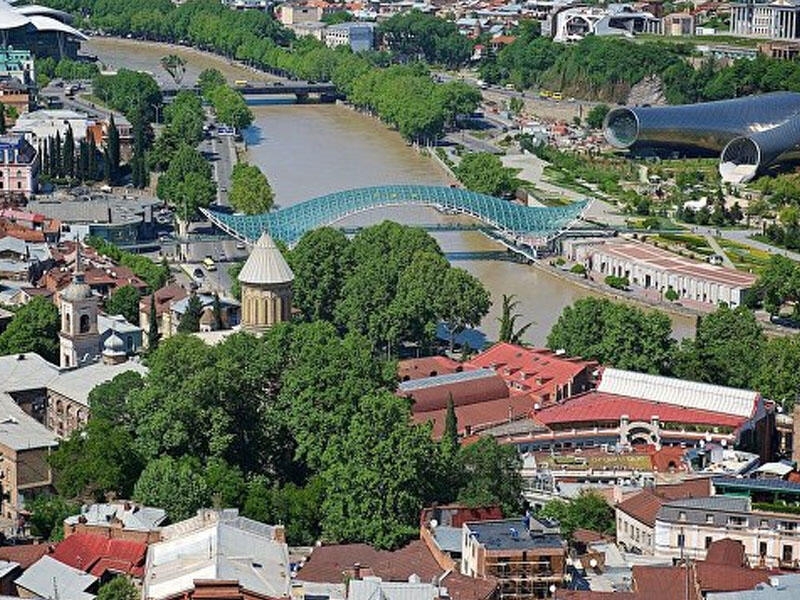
<point x="714" y="244"/>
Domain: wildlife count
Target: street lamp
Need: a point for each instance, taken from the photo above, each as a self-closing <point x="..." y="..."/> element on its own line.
<point x="553" y="589"/>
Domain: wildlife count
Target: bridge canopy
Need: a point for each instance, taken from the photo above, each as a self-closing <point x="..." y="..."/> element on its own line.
<point x="290" y="223"/>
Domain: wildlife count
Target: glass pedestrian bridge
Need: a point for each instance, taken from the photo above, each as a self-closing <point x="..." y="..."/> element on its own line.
<point x="508" y="218"/>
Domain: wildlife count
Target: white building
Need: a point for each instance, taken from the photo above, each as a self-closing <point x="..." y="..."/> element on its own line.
<point x="39" y="125"/>
<point x="687" y="528"/>
<point x="218" y="545"/>
<point x="776" y="20"/>
<point x="358" y="36"/>
<point x="573" y="24"/>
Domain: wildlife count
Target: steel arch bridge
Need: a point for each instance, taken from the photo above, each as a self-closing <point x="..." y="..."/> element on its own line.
<point x="509" y="218"/>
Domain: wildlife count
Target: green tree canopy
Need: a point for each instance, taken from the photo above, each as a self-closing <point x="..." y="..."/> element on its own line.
<point x="250" y="191"/>
<point x="231" y="108"/>
<point x="119" y="588"/>
<point x="47" y="515"/>
<point x="124" y="301"/>
<point x="615" y="334"/>
<point x="176" y="485"/>
<point x="187" y="183"/>
<point x="484" y="172"/>
<point x="34" y="328"/>
<point x="190" y="319"/>
<point x="776" y="378"/>
<point x="588" y="511"/>
<point x="208" y="80"/>
<point x="109" y="400"/>
<point x="491" y="473"/>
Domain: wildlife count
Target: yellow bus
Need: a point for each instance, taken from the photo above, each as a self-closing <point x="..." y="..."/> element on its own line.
<point x="208" y="263"/>
<point x="240" y="83"/>
<point x="558" y="96"/>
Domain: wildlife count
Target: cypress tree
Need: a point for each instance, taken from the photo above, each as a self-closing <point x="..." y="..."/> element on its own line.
<point x="152" y="331"/>
<point x="83" y="161"/>
<point x="2" y="118"/>
<point x="91" y="165"/>
<point x="106" y="166"/>
<point x="218" y="324"/>
<point x="190" y="320"/>
<point x="55" y="151"/>
<point x="68" y="155"/>
<point x="44" y="157"/>
<point x="450" y="435"/>
<point x="112" y="145"/>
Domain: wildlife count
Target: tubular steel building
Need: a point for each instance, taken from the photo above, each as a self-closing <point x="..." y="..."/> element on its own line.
<point x="750" y="134"/>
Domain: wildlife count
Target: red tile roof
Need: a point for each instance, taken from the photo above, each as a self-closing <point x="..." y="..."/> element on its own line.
<point x="691" y="488"/>
<point x="535" y="371"/>
<point x="643" y="507"/>
<point x="470" y="391"/>
<point x="727" y="578"/>
<point x="96" y="554"/>
<point x="25" y="555"/>
<point x="478" y="416"/>
<point x="164" y="298"/>
<point x="597" y="406"/>
<point x="664" y="583"/>
<point x="429" y="366"/>
<point x="726" y="552"/>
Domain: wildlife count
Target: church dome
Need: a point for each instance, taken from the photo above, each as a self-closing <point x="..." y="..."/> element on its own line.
<point x="266" y="265"/>
<point x="76" y="291"/>
<point x="114" y="345"/>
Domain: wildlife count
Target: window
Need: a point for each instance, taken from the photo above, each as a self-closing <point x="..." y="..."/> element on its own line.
<point x="84" y="327"/>
<point x="708" y="541"/>
<point x="762" y="549"/>
<point x="787" y="553"/>
<point x="681" y="540"/>
<point x="681" y="516"/>
<point x="763" y="524"/>
<point x="736" y="522"/>
<point x="709" y="518"/>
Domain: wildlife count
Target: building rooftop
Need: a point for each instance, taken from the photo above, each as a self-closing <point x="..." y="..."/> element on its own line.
<point x="19" y="431"/>
<point x="428" y="366"/>
<point x="97" y="554"/>
<point x="50" y="578"/>
<point x="26" y="371"/>
<point x="512" y="534"/>
<point x="721" y="503"/>
<point x="77" y="383"/>
<point x="266" y="264"/>
<point x="769" y="485"/>
<point x="132" y="516"/>
<point x="679" y="392"/>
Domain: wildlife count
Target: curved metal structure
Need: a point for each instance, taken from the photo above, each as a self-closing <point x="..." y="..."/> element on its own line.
<point x="751" y="133"/>
<point x="290" y="223"/>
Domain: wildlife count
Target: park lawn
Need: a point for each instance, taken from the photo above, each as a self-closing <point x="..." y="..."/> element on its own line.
<point x="744" y="257"/>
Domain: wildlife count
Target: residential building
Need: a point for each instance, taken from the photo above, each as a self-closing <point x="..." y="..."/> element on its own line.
<point x="656" y="271"/>
<point x="440" y="529"/>
<point x="68" y="394"/>
<point x="266" y="283"/>
<point x="17" y="63"/>
<point x="292" y="13"/>
<point x="50" y="578"/>
<point x="358" y="36"/>
<point x="781" y="587"/>
<point x="374" y="588"/>
<point x="40" y="125"/>
<point x="23" y="261"/>
<point x="118" y="520"/>
<point x="14" y="94"/>
<point x="220" y="546"/>
<point x="19" y="167"/>
<point x="164" y="299"/>
<point x="776" y="20"/>
<point x="686" y="528"/>
<point x="636" y="515"/>
<point x="678" y="24"/>
<point x="102" y="557"/>
<point x="526" y="555"/>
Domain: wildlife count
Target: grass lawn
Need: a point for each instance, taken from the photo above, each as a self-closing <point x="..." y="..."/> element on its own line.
<point x="744" y="257"/>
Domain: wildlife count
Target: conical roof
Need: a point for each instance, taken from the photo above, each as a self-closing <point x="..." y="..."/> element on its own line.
<point x="266" y="264"/>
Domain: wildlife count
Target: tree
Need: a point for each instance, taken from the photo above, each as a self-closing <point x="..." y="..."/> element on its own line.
<point x="377" y="475"/>
<point x="124" y="301"/>
<point x="462" y="302"/>
<point x="715" y="354"/>
<point x="217" y="308"/>
<point x="298" y="507"/>
<point x="113" y="154"/>
<point x="225" y="482"/>
<point x="2" y="118"/>
<point x="176" y="485"/>
<point x="119" y="588"/>
<point x="190" y="319"/>
<point x="231" y="108"/>
<point x="484" y="172"/>
<point x="187" y="183"/>
<point x="175" y="66"/>
<point x="96" y="460"/>
<point x="597" y="115"/>
<point x="615" y="334"/>
<point x="47" y="515"/>
<point x="250" y="191"/>
<point x="109" y="400"/>
<point x="68" y="155"/>
<point x="508" y="319"/>
<point x="491" y="475"/>
<point x="589" y="510"/>
<point x="776" y="378"/>
<point x="152" y="322"/>
<point x="34" y="328"/>
<point x="208" y="80"/>
<point x="320" y="265"/>
<point x="450" y="435"/>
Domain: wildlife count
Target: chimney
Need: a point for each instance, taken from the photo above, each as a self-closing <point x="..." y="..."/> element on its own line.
<point x="796" y="433"/>
<point x="279" y="534"/>
<point x="356" y="571"/>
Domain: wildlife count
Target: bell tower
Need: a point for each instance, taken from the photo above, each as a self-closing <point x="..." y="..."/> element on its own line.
<point x="266" y="283"/>
<point x="80" y="340"/>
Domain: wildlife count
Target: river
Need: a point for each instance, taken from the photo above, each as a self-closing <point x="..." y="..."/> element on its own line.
<point x="311" y="150"/>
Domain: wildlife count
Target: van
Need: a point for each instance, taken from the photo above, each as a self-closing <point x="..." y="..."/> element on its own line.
<point x="240" y="83"/>
<point x="557" y="96"/>
<point x="510" y="87"/>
